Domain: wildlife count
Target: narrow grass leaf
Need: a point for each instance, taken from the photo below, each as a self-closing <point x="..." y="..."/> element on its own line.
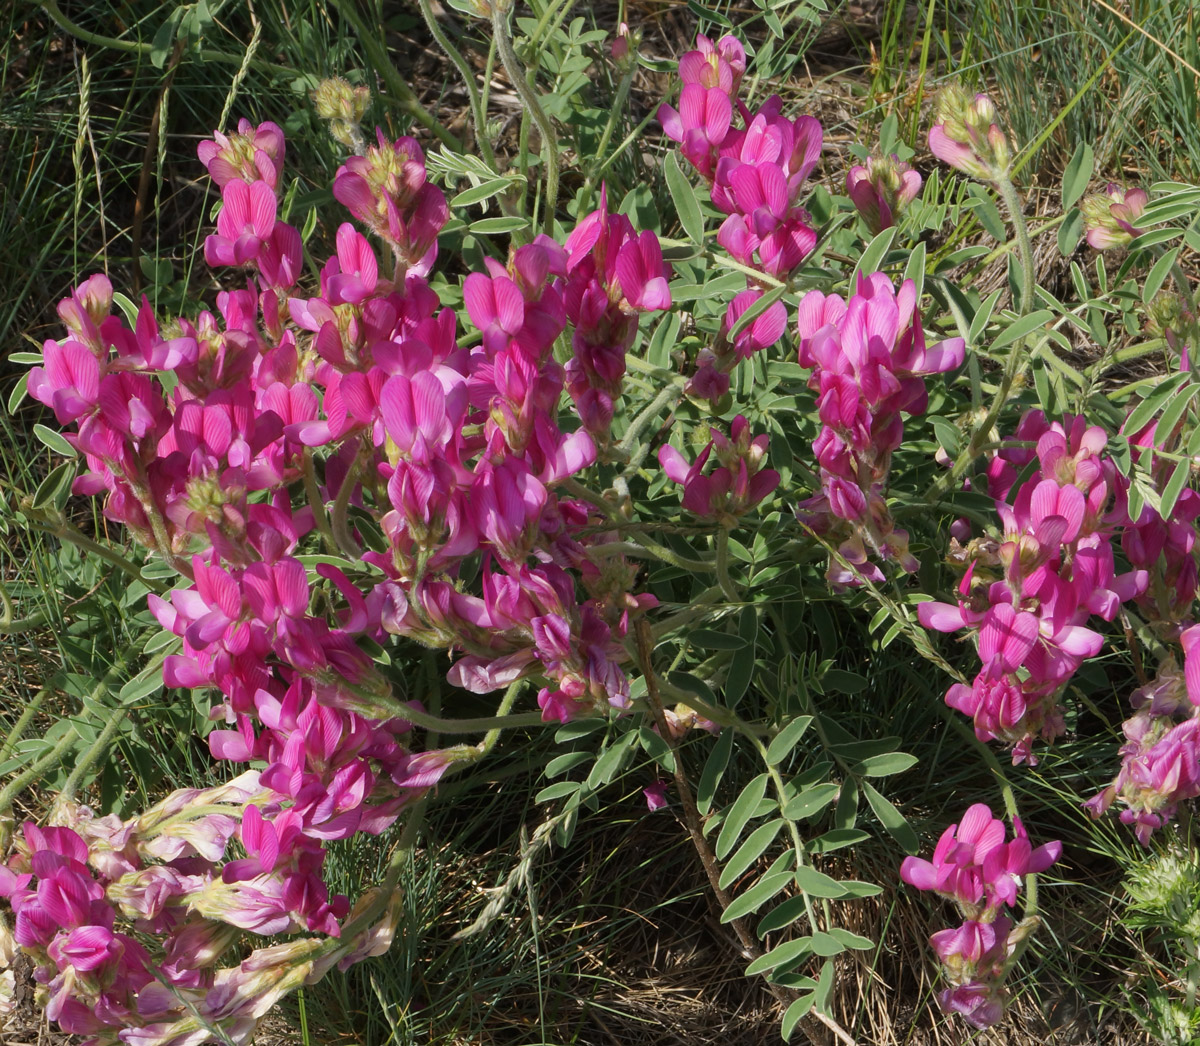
<point x="750" y="851"/>
<point x="739" y="814"/>
<point x="786" y="739"/>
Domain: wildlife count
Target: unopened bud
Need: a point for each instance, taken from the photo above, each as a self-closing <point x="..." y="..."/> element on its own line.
<point x="968" y="137"/>
<point x="344" y="106"/>
<point x="882" y="190"/>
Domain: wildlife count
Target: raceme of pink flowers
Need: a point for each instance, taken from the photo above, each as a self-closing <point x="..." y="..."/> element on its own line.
<point x="976" y="868"/>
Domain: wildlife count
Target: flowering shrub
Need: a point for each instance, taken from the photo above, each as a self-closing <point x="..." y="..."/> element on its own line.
<point x="338" y="475"/>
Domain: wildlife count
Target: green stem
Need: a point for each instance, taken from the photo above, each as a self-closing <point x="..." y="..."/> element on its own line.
<point x="116" y="716"/>
<point x="516" y="75"/>
<point x="652" y="550"/>
<point x="22" y="724"/>
<point x="65" y="531"/>
<point x="478" y="115"/>
<point x="668" y="395"/>
<point x="32" y="773"/>
<point x="9" y="626"/>
<point x="339" y="523"/>
<point x="1012" y="201"/>
<point x="626" y="142"/>
<point x="312" y="491"/>
<point x="502" y="712"/>
<point x="617" y="111"/>
<point x="721" y="540"/>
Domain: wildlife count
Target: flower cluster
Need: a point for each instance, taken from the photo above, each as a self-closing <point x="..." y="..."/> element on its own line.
<point x="736" y="485"/>
<point x="422" y="462"/>
<point x="128" y="922"/>
<point x="868" y="359"/>
<point x="973" y="866"/>
<point x="1029" y="594"/>
<point x="756" y="175"/>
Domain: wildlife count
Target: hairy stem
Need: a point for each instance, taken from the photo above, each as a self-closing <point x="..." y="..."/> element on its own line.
<point x="516" y="75"/>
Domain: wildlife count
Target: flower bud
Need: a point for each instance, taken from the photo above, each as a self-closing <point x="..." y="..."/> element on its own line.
<point x="967" y="136"/>
<point x="1109" y="215"/>
<point x="344" y="107"/>
<point x="882" y="190"/>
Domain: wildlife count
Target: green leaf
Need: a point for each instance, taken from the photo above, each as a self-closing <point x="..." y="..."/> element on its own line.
<point x="852" y="940"/>
<point x="840" y="681"/>
<point x="787" y="952"/>
<point x="741" y="668"/>
<point x="811" y="801"/>
<point x="684" y="198"/>
<point x="987" y="212"/>
<point x="1140" y="416"/>
<point x="147" y="682"/>
<point x="1070" y="233"/>
<point x="1174" y="487"/>
<point x="740" y="813"/>
<point x="578" y="728"/>
<point x="479" y="193"/>
<point x="160" y="46"/>
<point x="915" y="269"/>
<point x="18" y="394"/>
<point x="56" y="441"/>
<point x="824" y="988"/>
<point x="758" y="895"/>
<point x="714" y="768"/>
<point x="817" y="884"/>
<point x="885" y="765"/>
<point x="750" y="851"/>
<point x="783" y="914"/>
<point x="160" y="641"/>
<point x="786" y="739"/>
<point x="491" y="226"/>
<point x="710" y="640"/>
<point x="54" y="485"/>
<point x="656" y="747"/>
<point x="794" y="1014"/>
<point x="891" y="818"/>
<point x="856" y="888"/>
<point x="834" y="839"/>
<point x="1023" y="326"/>
<point x="826" y="945"/>
<point x="560" y="764"/>
<point x="1158" y="274"/>
<point x="693" y="685"/>
<point x="556" y="791"/>
<point x="1077" y="174"/>
<point x="609" y="763"/>
<point x="983" y="316"/>
<point x="870" y="259"/>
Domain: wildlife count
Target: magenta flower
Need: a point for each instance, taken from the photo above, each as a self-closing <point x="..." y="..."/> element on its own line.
<point x="246" y="220"/>
<point x="882" y="190"/>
